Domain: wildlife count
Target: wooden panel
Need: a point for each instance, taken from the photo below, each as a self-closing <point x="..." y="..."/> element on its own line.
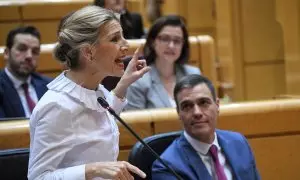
<point x="261" y="118"/>
<point x="288" y="14"/>
<point x="123" y="155"/>
<point x="207" y="59"/>
<point x="194" y="50"/>
<point x="134" y="44"/>
<point x="229" y="45"/>
<point x="262" y="34"/>
<point x="165" y="120"/>
<point x="135" y="5"/>
<point x="14" y="134"/>
<point x="200" y="13"/>
<point x="36" y="9"/>
<point x="2" y="61"/>
<point x="253" y="118"/>
<point x="51" y="74"/>
<point x="202" y="48"/>
<point x="170" y="7"/>
<point x="264" y="81"/>
<point x="48" y="63"/>
<point x="140" y="122"/>
<point x="277" y="158"/>
<point x="4" y="30"/>
<point x="9" y="12"/>
<point x="47" y="29"/>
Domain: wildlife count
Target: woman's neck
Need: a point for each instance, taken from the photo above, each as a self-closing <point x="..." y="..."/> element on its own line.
<point x="85" y="78"/>
<point x="166" y="70"/>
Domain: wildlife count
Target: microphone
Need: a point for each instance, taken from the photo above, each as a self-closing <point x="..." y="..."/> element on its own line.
<point x="106" y="106"/>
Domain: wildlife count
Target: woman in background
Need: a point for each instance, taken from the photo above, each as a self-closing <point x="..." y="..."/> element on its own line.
<point x="131" y="23"/>
<point x="166" y="52"/>
<point x="71" y="135"/>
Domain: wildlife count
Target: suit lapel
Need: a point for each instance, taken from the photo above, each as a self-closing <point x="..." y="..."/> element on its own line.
<point x="195" y="161"/>
<point x="14" y="100"/>
<point x="159" y="88"/>
<point x="179" y="70"/>
<point x="229" y="152"/>
<point x="37" y="87"/>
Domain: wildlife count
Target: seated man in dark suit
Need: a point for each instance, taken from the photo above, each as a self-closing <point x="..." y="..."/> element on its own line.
<point x="132" y="26"/>
<point x="202" y="151"/>
<point x="20" y="86"/>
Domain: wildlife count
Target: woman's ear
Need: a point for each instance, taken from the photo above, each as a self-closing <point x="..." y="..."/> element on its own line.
<point x="87" y="52"/>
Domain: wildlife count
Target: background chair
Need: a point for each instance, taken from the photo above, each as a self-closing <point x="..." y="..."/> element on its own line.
<point x="14" y="164"/>
<point x="141" y="157"/>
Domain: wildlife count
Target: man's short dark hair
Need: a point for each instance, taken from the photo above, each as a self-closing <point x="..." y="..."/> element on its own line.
<point x="21" y="30"/>
<point x="191" y="81"/>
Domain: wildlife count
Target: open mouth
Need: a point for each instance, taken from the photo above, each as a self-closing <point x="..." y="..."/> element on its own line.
<point x="119" y="63"/>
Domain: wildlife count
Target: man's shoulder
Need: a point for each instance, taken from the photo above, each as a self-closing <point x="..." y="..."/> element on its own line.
<point x="2" y="74"/>
<point x="41" y="78"/>
<point x="173" y="149"/>
<point x="4" y="80"/>
<point x="229" y="135"/>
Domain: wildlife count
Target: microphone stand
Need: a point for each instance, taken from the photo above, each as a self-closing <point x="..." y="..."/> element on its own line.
<point x="105" y="105"/>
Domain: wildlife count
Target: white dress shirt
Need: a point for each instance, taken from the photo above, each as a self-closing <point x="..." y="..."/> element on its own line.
<point x="203" y="151"/>
<point x="68" y="129"/>
<point x="18" y="86"/>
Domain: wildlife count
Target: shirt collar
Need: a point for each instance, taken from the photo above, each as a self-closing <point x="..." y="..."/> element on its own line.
<point x="88" y="97"/>
<point x="199" y="146"/>
<point x="16" y="82"/>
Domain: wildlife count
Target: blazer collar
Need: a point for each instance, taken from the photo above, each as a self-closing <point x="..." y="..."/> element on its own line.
<point x="229" y="152"/>
<point x="86" y="96"/>
<point x="158" y="85"/>
<point x="198" y="166"/>
<point x="194" y="160"/>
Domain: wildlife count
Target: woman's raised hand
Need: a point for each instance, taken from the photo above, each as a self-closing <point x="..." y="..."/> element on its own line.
<point x="135" y="70"/>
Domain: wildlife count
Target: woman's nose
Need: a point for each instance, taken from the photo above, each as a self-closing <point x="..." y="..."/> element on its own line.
<point x="124" y="47"/>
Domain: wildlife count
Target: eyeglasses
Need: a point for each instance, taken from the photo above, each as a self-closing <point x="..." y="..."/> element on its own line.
<point x="165" y="39"/>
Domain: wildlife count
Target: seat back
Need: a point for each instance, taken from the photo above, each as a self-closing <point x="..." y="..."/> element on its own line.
<point x="14" y="163"/>
<point x="142" y="158"/>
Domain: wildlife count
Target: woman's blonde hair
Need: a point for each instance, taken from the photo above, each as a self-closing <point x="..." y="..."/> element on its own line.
<point x="78" y="29"/>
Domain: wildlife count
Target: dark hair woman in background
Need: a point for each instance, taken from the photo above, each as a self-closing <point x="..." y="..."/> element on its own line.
<point x="166" y="52"/>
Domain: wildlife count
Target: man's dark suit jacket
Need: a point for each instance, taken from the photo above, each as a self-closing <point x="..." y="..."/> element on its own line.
<point x="10" y="102"/>
<point x="183" y="158"/>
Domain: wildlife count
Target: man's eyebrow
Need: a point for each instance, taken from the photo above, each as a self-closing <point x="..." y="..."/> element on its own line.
<point x="184" y="102"/>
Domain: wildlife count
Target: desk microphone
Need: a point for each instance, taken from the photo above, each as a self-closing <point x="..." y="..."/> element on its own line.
<point x="106" y="106"/>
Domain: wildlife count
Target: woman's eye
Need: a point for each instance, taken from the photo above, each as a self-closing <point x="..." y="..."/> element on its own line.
<point x="115" y="39"/>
